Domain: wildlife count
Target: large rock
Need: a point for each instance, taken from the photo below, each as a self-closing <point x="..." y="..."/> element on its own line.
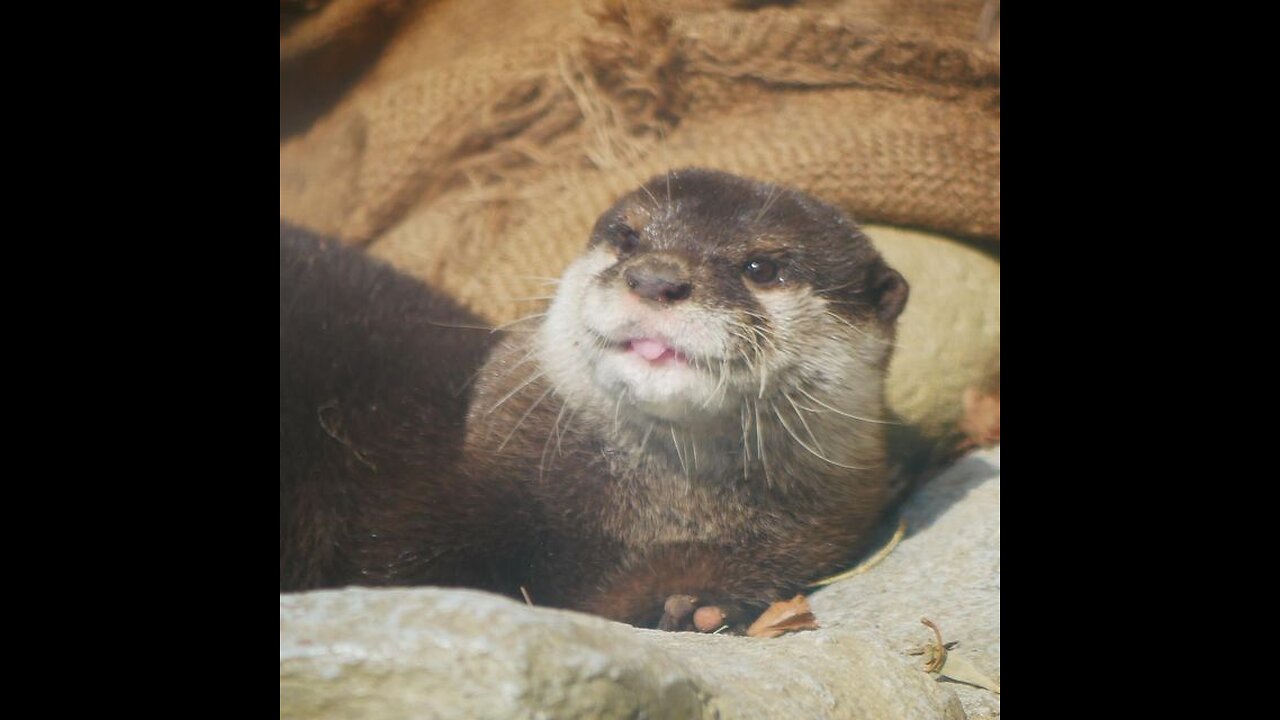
<point x="947" y="569"/>
<point x="435" y="653"/>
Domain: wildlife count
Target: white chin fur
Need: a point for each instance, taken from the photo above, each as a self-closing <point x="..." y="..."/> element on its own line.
<point x="584" y="373"/>
<point x="672" y="391"/>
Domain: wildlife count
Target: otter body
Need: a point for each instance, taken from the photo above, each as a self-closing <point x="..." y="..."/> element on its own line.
<point x="700" y="414"/>
<point x="373" y="404"/>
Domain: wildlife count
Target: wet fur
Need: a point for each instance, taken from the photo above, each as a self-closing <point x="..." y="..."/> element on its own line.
<point x="598" y="497"/>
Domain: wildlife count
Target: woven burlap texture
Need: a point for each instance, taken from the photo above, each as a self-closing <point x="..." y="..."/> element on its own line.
<point x="480" y="146"/>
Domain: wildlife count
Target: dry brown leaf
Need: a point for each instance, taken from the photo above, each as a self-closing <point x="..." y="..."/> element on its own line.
<point x="784" y="616"/>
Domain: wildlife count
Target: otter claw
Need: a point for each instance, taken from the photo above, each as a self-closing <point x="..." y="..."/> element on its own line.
<point x="676" y="612"/>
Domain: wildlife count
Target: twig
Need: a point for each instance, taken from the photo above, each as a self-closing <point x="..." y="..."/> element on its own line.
<point x="939" y="655"/>
<point x="870" y="562"/>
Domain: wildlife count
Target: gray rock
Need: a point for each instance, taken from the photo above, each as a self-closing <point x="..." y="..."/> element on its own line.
<point x="436" y="653"/>
<point x="947" y="569"/>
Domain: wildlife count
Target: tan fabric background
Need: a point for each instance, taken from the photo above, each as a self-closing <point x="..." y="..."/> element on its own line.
<point x="473" y="142"/>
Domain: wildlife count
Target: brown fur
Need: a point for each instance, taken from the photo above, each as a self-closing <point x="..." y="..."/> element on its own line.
<point x="372" y="421"/>
<point x="594" y="505"/>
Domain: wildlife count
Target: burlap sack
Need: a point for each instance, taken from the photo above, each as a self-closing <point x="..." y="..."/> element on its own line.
<point x="483" y="137"/>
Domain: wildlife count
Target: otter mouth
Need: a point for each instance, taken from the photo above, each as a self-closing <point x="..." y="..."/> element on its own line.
<point x="654" y="351"/>
<point x="660" y="378"/>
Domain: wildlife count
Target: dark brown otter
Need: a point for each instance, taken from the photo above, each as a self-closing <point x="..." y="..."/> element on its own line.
<point x="373" y="374"/>
<point x="700" y="414"/>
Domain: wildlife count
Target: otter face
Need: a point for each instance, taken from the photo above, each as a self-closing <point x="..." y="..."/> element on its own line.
<point x="701" y="291"/>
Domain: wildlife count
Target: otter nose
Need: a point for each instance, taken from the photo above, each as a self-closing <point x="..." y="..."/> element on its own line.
<point x="658" y="280"/>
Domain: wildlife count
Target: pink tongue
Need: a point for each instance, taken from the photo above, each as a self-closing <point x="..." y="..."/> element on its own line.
<point x="650" y="349"/>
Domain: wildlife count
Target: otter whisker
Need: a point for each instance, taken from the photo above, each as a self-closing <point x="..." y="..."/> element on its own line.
<point x="556" y="427"/>
<point x="768" y="202"/>
<point x="524" y="358"/>
<point x="834" y="288"/>
<point x="697" y="364"/>
<point x="517" y="321"/>
<point x="763" y="370"/>
<point x="555" y="430"/>
<point x="679" y="455"/>
<point x="768" y="479"/>
<point x="711" y="396"/>
<point x="768" y="342"/>
<point x="802" y="444"/>
<point x="540" y="279"/>
<point x="652" y="197"/>
<point x="568" y="423"/>
<point x="722" y="386"/>
<point x="476" y="373"/>
<point x="518" y="388"/>
<point x="805" y="423"/>
<point x="764" y="332"/>
<point x="525" y="416"/>
<point x="848" y="324"/>
<point x="845" y="414"/>
<point x="767" y="337"/>
<point x="457" y="326"/>
<point x="645" y="440"/>
<point x="738" y="330"/>
<point x="617" y="406"/>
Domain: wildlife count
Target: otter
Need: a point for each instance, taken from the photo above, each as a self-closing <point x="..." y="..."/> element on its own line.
<point x="697" y="422"/>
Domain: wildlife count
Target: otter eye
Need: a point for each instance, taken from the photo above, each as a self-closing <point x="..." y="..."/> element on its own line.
<point x="625" y="238"/>
<point x="761" y="271"/>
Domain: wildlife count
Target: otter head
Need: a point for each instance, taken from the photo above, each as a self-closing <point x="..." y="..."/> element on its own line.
<point x="701" y="292"/>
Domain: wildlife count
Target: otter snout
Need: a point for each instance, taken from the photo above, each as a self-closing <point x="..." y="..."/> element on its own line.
<point x="661" y="280"/>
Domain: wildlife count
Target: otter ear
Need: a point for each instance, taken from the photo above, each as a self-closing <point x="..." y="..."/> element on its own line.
<point x="891" y="291"/>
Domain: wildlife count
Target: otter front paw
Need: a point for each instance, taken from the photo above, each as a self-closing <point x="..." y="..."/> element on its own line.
<point x="677" y="612"/>
<point x="683" y="613"/>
